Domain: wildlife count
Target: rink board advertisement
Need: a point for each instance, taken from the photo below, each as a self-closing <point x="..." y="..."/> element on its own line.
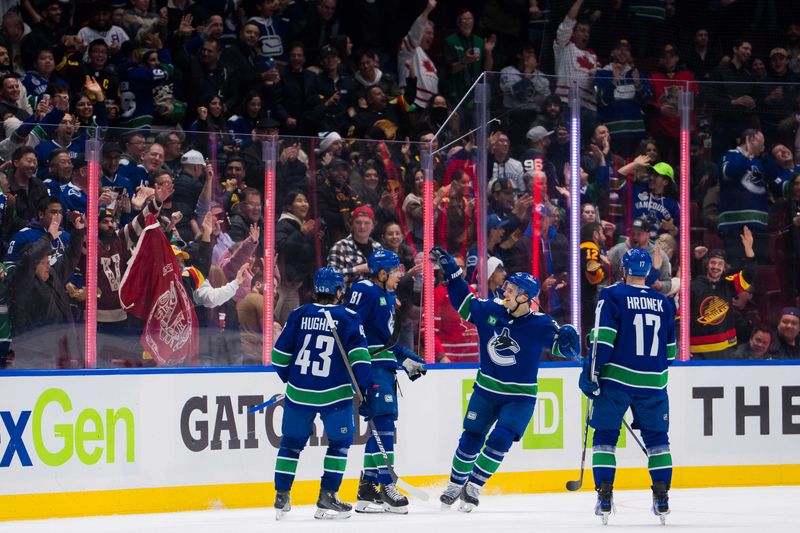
<point x="142" y="441"/>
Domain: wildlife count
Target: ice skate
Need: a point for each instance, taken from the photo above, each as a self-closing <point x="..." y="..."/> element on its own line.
<point x="368" y="499"/>
<point x="329" y="506"/>
<point x="393" y="501"/>
<point x="469" y="497"/>
<point x="283" y="504"/>
<point x="605" y="501"/>
<point x="661" y="501"/>
<point x="450" y="495"/>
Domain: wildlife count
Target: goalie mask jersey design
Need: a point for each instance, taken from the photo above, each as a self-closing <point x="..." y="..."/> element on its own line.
<point x="306" y="357"/>
<point x="509" y="361"/>
<point x="635" y="339"/>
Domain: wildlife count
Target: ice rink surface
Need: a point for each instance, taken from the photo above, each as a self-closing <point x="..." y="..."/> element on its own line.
<point x="760" y="509"/>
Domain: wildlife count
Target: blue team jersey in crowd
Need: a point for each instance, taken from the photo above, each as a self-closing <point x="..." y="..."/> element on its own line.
<point x="375" y="306"/>
<point x="306" y="357"/>
<point x="743" y="196"/>
<point x="635" y="339"/>
<point x="510" y="347"/>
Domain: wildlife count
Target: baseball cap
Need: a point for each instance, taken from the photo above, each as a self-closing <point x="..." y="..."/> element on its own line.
<point x="362" y="211"/>
<point x="338" y="162"/>
<point x="537" y="133"/>
<point x="180" y="253"/>
<point x="669" y="50"/>
<point x="109" y="148"/>
<point x="640" y="224"/>
<point x="493" y="264"/>
<point x="105" y="212"/>
<point x="493" y="222"/>
<point x="500" y="185"/>
<point x="664" y="169"/>
<point x="193" y="157"/>
<point x="778" y="51"/>
<point x="794" y="311"/>
<point x="622" y="42"/>
<point x="718" y="253"/>
<point x="267" y="123"/>
<point x="328" y="50"/>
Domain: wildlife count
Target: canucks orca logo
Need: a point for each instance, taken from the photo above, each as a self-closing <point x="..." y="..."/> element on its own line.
<point x="502" y="348"/>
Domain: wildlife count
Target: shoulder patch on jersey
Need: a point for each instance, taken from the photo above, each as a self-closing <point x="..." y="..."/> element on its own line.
<point x="382" y="301"/>
<point x="492" y="320"/>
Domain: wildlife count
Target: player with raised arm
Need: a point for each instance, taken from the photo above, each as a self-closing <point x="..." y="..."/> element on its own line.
<point x="317" y="382"/>
<point x="513" y="334"/>
<point x="634" y="343"/>
<point x="374" y="299"/>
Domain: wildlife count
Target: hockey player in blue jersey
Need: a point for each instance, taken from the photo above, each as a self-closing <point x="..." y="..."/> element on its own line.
<point x="633" y="344"/>
<point x="513" y="334"/>
<point x="306" y="358"/>
<point x="374" y="300"/>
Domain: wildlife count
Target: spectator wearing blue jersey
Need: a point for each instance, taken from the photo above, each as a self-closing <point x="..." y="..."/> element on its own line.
<point x="743" y="198"/>
<point x="652" y="202"/>
<point x="49" y="209"/>
<point x="779" y="167"/>
<point x="42" y="75"/>
<point x="59" y="172"/>
<point x="137" y="81"/>
<point x="273" y="30"/>
<point x="62" y="139"/>
<point x="241" y="125"/>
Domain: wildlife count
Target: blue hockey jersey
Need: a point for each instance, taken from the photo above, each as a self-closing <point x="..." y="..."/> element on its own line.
<point x="306" y="357"/>
<point x="742" y="193"/>
<point x="635" y="338"/>
<point x="375" y="306"/>
<point x="510" y="347"/>
<point x="29" y="235"/>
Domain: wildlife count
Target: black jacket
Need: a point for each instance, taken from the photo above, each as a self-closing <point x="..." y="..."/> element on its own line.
<point x="44" y="332"/>
<point x="295" y="251"/>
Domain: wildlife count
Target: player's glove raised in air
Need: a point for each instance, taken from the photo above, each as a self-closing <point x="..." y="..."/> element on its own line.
<point x="587" y="385"/>
<point x="446" y="262"/>
<point x="568" y="341"/>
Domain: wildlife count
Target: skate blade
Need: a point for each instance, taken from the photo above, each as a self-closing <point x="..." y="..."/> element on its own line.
<point x="604" y="518"/>
<point x="279" y="513"/>
<point x="328" y="514"/>
<point x="369" y="507"/>
<point x="395" y="510"/>
<point x="465" y="507"/>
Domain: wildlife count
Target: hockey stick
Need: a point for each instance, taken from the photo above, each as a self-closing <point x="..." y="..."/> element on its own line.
<point x="411" y="489"/>
<point x="274" y="399"/>
<point x="577" y="484"/>
<point x="635" y="437"/>
<point x="391" y="343"/>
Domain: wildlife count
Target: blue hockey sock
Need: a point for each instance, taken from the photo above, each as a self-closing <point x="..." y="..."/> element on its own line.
<point x="487" y="463"/>
<point x="285" y="468"/>
<point x="468" y="447"/>
<point x="374" y="465"/>
<point x="333" y="466"/>
<point x="604" y="459"/>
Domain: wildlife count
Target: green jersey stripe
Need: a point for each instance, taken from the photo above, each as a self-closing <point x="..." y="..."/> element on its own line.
<point x="464" y="307"/>
<point x="633" y="378"/>
<point x="319" y="398"/>
<point x="506" y="387"/>
<point x="358" y="355"/>
<point x="335" y="464"/>
<point x="286" y="466"/>
<point x="280" y="358"/>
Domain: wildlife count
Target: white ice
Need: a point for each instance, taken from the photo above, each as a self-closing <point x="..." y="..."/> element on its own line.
<point x="760" y="509"/>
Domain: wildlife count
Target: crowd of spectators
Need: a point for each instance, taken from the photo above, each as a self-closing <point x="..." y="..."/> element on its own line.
<point x="187" y="96"/>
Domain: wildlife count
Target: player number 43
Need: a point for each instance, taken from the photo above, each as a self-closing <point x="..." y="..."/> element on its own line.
<point x="641" y="321"/>
<point x="324" y="349"/>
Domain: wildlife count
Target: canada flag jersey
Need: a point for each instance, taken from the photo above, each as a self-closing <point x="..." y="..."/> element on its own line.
<point x="151" y="289"/>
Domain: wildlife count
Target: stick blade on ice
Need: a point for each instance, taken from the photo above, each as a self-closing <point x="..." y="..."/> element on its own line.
<point x="412" y="490"/>
<point x="574" y="485"/>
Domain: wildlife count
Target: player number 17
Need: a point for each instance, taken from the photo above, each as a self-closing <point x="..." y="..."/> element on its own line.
<point x="640" y="321"/>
